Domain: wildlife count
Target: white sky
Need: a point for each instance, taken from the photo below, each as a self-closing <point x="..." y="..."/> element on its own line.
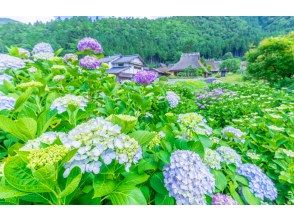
<point x="32" y="19"/>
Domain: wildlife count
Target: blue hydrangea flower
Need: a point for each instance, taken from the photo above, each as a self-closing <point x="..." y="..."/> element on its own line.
<point x="6" y="102"/>
<point x="222" y="199"/>
<point x="229" y="155"/>
<point x="172" y="98"/>
<point x="99" y="141"/>
<point x="5" y="77"/>
<point x="260" y="185"/>
<point x="232" y="133"/>
<point x="10" y="62"/>
<point x="187" y="179"/>
<point x="43" y="51"/>
<point x="61" y="104"/>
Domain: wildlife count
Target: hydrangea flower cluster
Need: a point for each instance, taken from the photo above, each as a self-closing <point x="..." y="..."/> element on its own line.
<point x="187" y="179"/>
<point x="89" y="62"/>
<point x="232" y="133"/>
<point x="31" y="84"/>
<point x="43" y="51"/>
<point x="32" y="69"/>
<point x="91" y="44"/>
<point x="47" y="138"/>
<point x="192" y="124"/>
<point x="58" y="78"/>
<point x="97" y="141"/>
<point x="207" y="98"/>
<point x="222" y="199"/>
<point x="156" y="140"/>
<point x="212" y="159"/>
<point x="260" y="185"/>
<point x="24" y="52"/>
<point x="229" y="155"/>
<point x="70" y="57"/>
<point x="172" y="98"/>
<point x="10" y="62"/>
<point x="6" y="102"/>
<point x="42" y="48"/>
<point x="145" y="77"/>
<point x="5" y="77"/>
<point x="46" y="156"/>
<point x="61" y="104"/>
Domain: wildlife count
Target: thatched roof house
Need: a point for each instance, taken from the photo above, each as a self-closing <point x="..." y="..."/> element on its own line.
<point x="215" y="65"/>
<point x="187" y="60"/>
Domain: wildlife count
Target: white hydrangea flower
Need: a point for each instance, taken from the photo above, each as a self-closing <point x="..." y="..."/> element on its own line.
<point x="229" y="155"/>
<point x="173" y="99"/>
<point x="6" y="102"/>
<point x="61" y="104"/>
<point x="232" y="133"/>
<point x="212" y="159"/>
<point x="5" y="77"/>
<point x="58" y="78"/>
<point x="10" y="62"/>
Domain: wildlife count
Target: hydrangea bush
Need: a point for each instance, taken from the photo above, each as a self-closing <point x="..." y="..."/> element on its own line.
<point x="70" y="133"/>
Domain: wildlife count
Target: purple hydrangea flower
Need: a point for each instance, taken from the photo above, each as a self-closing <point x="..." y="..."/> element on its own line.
<point x="222" y="199"/>
<point x="89" y="62"/>
<point x="88" y="43"/>
<point x="210" y="80"/>
<point x="145" y="77"/>
<point x="187" y="179"/>
<point x="260" y="185"/>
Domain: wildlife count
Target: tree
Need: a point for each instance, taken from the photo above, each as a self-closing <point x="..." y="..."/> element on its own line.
<point x="273" y="59"/>
<point x="232" y="65"/>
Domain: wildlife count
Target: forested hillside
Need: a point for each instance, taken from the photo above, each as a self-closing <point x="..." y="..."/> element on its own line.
<point x="157" y="40"/>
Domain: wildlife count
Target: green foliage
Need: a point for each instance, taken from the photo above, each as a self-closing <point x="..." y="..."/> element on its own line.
<point x="232" y="64"/>
<point x="273" y="59"/>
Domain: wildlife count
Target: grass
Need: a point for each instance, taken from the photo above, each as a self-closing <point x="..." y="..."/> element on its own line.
<point x="232" y="78"/>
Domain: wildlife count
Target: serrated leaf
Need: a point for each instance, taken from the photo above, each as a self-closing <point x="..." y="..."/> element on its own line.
<point x="164" y="200"/>
<point x="103" y="187"/>
<point x="72" y="182"/>
<point x="135" y="179"/>
<point x="127" y="195"/>
<point x="22" y="99"/>
<point x="7" y="192"/>
<point x="156" y="182"/>
<point x="19" y="176"/>
<point x="249" y="196"/>
<point x="143" y="137"/>
<point x="220" y="180"/>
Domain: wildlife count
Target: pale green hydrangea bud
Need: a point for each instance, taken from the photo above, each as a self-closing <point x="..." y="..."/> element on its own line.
<point x="31" y="84"/>
<point x="212" y="159"/>
<point x="46" y="156"/>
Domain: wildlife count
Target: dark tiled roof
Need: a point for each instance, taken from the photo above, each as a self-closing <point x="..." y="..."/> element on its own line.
<point x="116" y="70"/>
<point x="128" y="59"/>
<point x="109" y="59"/>
<point x="187" y="60"/>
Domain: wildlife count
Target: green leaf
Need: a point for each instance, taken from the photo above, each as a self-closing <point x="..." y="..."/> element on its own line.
<point x="19" y="176"/>
<point x="147" y="164"/>
<point x="143" y="137"/>
<point x="22" y="99"/>
<point x="103" y="187"/>
<point x="249" y="196"/>
<point x="135" y="179"/>
<point x="72" y="182"/>
<point x="7" y="192"/>
<point x="27" y="126"/>
<point x="235" y="195"/>
<point x="205" y="141"/>
<point x="8" y="125"/>
<point x="127" y="195"/>
<point x="47" y="176"/>
<point x="164" y="156"/>
<point x="163" y="200"/>
<point x="156" y="182"/>
<point x="220" y="180"/>
<point x="241" y="179"/>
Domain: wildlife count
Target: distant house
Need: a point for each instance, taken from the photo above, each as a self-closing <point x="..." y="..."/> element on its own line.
<point x="215" y="65"/>
<point x="163" y="69"/>
<point x="124" y="67"/>
<point x="187" y="60"/>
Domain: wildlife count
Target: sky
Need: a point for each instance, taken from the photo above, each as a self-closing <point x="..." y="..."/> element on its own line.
<point x="44" y="19"/>
<point x="32" y="19"/>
